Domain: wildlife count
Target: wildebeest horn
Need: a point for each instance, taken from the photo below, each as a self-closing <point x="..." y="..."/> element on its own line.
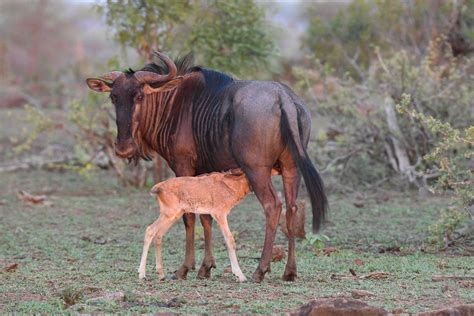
<point x="152" y="77"/>
<point x="111" y="76"/>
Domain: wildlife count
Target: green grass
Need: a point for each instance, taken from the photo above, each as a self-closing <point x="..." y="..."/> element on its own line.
<point x="59" y="262"/>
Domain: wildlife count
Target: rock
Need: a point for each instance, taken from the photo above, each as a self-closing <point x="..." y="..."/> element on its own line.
<point x="358" y="262"/>
<point x="361" y="293"/>
<point x="398" y="311"/>
<point x="461" y="310"/>
<point x="338" y="307"/>
<point x="11" y="267"/>
<point x="329" y="250"/>
<point x="109" y="297"/>
<point x="358" y="204"/>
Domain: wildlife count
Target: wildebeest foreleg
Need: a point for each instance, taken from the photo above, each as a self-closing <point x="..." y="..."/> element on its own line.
<point x="260" y="180"/>
<point x="291" y="181"/>
<point x="189" y="258"/>
<point x="208" y="262"/>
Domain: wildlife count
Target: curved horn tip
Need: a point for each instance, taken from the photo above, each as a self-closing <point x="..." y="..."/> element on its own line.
<point x="169" y="63"/>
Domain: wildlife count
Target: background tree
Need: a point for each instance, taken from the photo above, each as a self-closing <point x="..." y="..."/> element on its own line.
<point x="231" y="36"/>
<point x="146" y="25"/>
<point x="355" y="31"/>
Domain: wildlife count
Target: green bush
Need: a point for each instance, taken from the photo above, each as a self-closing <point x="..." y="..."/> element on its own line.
<point x="361" y="139"/>
<point x="451" y="157"/>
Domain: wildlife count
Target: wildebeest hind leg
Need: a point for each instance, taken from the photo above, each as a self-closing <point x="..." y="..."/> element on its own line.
<point x="291" y="181"/>
<point x="208" y="262"/>
<point x="189" y="259"/>
<point x="261" y="183"/>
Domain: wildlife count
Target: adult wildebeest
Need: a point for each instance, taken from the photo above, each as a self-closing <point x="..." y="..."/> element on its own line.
<point x="199" y="121"/>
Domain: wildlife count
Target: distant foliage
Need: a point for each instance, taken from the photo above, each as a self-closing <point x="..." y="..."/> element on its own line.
<point x="146" y="25"/>
<point x="231" y="36"/>
<point x="363" y="139"/>
<point x="347" y="40"/>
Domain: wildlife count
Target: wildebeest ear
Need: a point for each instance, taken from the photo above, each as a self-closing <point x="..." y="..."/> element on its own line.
<point x="99" y="85"/>
<point x="170" y="85"/>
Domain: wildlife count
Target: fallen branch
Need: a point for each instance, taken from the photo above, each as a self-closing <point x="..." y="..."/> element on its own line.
<point x="438" y="278"/>
<point x="378" y="275"/>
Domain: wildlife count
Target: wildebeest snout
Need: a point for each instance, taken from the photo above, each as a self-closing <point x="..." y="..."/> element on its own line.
<point x="125" y="149"/>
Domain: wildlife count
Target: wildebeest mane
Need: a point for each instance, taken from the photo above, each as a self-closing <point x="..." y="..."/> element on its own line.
<point x="184" y="65"/>
<point x="207" y="114"/>
<point x="160" y="113"/>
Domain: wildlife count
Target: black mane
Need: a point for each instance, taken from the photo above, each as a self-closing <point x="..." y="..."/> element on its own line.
<point x="184" y="65"/>
<point x="208" y="109"/>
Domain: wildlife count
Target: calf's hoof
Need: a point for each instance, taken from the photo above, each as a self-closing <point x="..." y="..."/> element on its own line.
<point x="205" y="270"/>
<point x="242" y="278"/>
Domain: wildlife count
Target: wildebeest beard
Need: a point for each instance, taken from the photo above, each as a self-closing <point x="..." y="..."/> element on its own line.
<point x="150" y="130"/>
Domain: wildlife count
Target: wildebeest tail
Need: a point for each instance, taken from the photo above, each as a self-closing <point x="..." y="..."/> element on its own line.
<point x="290" y="129"/>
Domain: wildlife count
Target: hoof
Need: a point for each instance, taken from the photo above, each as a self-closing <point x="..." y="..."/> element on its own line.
<point x="290" y="276"/>
<point x="161" y="277"/>
<point x="205" y="270"/>
<point x="141" y="274"/>
<point x="258" y="276"/>
<point x="181" y="273"/>
<point x="242" y="279"/>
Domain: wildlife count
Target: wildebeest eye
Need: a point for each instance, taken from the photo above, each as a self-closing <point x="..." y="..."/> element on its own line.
<point x="139" y="98"/>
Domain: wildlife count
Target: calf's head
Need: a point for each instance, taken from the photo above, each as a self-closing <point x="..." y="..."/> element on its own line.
<point x="128" y="90"/>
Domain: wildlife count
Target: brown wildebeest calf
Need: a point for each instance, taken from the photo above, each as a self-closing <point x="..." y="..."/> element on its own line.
<point x="214" y="194"/>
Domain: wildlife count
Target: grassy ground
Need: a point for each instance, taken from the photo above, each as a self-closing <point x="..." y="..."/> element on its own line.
<point x="88" y="244"/>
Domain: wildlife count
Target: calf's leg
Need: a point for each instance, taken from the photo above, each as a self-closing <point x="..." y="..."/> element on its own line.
<point x="230" y="242"/>
<point x="155" y="232"/>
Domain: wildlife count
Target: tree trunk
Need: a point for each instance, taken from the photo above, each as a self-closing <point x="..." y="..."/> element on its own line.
<point x="395" y="149"/>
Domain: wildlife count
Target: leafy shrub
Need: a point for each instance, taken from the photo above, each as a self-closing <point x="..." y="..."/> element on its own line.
<point x="316" y="241"/>
<point x="362" y="140"/>
<point x="451" y="157"/>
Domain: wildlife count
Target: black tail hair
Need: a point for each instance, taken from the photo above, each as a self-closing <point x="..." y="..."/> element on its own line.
<point x="290" y="130"/>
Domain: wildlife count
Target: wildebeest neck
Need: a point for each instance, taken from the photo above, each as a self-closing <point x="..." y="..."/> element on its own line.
<point x="157" y="119"/>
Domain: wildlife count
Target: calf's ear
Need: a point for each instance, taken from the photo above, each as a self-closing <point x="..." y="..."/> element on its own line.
<point x="99" y="85"/>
